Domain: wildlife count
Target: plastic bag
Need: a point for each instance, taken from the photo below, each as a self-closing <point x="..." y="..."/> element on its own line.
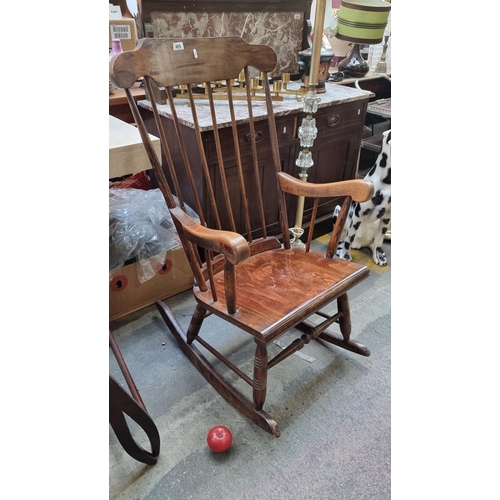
<point x="140" y="228"/>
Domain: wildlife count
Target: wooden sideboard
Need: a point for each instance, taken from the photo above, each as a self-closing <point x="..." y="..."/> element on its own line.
<point x="339" y="120"/>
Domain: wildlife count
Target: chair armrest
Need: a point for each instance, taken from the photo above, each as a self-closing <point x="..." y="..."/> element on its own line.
<point x="358" y="189"/>
<point x="232" y="245"/>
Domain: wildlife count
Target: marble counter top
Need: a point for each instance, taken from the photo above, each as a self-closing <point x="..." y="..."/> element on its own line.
<point x="335" y="94"/>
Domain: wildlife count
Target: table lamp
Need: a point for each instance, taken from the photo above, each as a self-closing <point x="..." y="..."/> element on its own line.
<point x="361" y="22"/>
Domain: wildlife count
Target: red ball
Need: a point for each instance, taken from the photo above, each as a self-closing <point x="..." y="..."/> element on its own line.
<point x="219" y="438"/>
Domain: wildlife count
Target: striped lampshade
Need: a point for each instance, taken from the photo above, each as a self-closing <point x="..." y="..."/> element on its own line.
<point x="362" y="21"/>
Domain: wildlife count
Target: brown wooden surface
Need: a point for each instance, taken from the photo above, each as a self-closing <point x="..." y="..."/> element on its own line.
<point x="280" y="288"/>
<point x="146" y="7"/>
<point x="358" y="191"/>
<point x="197" y="61"/>
<point x="249" y="280"/>
<point x="118" y="104"/>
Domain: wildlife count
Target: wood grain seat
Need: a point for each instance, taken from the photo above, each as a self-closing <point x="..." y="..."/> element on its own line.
<point x="288" y="286"/>
<point x="258" y="282"/>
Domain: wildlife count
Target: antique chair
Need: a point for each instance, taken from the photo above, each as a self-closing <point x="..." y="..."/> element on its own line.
<point x="246" y="270"/>
<point x="122" y="403"/>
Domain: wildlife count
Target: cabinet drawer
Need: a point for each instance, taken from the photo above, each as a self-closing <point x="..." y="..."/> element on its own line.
<point x="330" y="120"/>
<point x="285" y="128"/>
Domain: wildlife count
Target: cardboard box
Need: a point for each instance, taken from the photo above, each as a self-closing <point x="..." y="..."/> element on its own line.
<point x="125" y="30"/>
<point x="127" y="294"/>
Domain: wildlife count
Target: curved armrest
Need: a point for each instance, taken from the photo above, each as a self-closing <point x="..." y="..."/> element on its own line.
<point x="358" y="189"/>
<point x="232" y="245"/>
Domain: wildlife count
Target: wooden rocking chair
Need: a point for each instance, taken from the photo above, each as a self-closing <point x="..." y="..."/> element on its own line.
<point x="244" y="275"/>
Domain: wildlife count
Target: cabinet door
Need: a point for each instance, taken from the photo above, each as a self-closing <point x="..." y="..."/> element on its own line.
<point x="267" y="178"/>
<point x="335" y="152"/>
<point x="285" y="127"/>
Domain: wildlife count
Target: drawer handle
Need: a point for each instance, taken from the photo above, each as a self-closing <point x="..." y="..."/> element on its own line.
<point x="333" y="120"/>
<point x="258" y="137"/>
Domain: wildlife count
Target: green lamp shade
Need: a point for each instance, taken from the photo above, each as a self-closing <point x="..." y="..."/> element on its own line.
<point x="362" y="21"/>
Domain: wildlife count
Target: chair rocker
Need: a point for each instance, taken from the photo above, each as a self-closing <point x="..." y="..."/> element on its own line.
<point x="246" y="271"/>
<point x="122" y="403"/>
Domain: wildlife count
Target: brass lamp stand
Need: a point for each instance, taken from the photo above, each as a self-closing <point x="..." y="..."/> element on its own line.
<point x="307" y="131"/>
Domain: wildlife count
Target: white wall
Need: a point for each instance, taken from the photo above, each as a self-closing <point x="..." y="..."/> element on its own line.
<point x="132" y="6"/>
<point x="339" y="47"/>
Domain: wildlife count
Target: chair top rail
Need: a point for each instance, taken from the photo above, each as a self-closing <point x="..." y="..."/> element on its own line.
<point x="179" y="61"/>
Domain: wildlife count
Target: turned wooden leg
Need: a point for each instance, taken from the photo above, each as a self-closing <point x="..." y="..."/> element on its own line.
<point x="260" y="376"/>
<point x="345" y="317"/>
<point x="196" y="322"/>
<point x="345" y="330"/>
<point x="222" y="385"/>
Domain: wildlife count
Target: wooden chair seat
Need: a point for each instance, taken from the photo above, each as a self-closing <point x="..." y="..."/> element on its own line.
<point x="246" y="270"/>
<point x="289" y="285"/>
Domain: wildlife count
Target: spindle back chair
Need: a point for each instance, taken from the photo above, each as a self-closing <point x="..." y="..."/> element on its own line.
<point x="256" y="281"/>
